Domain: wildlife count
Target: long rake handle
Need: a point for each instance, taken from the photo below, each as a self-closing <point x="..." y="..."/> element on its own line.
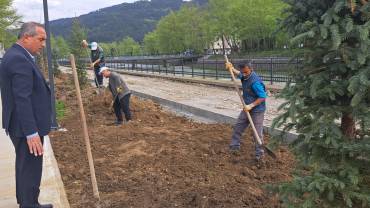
<point x="243" y="102"/>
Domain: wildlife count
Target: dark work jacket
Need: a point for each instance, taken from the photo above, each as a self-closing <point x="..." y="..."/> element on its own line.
<point x="249" y="95"/>
<point x="97" y="52"/>
<point x="25" y="95"/>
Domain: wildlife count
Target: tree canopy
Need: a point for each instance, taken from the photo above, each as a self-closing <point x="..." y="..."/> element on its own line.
<point x="8" y="21"/>
<point x="327" y="103"/>
<point x="243" y="24"/>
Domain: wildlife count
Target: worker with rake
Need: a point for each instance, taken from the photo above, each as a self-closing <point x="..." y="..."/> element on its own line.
<point x="120" y="94"/>
<point x="97" y="61"/>
<point x="254" y="96"/>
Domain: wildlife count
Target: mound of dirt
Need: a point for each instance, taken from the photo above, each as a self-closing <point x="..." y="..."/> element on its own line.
<point x="158" y="159"/>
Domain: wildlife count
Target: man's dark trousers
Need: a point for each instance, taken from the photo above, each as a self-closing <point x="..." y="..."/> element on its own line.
<point x="28" y="171"/>
<point x="124" y="104"/>
<point x="99" y="77"/>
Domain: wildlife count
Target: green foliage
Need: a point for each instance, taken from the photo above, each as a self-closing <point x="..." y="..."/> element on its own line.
<point x="112" y="49"/>
<point x="61" y="46"/>
<point x="79" y="52"/>
<point x="209" y="174"/>
<point x="60" y="109"/>
<point x="130" y="47"/>
<point x="113" y="23"/>
<point x="38" y="60"/>
<point x="55" y="55"/>
<point x="150" y="43"/>
<point x="243" y="24"/>
<point x="327" y="103"/>
<point x="8" y="18"/>
<point x="177" y="32"/>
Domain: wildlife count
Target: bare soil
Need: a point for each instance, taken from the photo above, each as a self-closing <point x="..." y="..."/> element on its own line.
<point x="158" y="159"/>
<point x="217" y="99"/>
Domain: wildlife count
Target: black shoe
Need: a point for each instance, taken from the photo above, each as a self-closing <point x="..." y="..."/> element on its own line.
<point x="233" y="148"/>
<point x="118" y="122"/>
<point x="46" y="206"/>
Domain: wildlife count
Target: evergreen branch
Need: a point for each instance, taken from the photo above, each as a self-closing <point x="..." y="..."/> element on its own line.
<point x="352" y="9"/>
<point x="314" y="71"/>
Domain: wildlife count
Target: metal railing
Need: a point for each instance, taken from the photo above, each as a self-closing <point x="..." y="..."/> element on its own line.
<point x="270" y="70"/>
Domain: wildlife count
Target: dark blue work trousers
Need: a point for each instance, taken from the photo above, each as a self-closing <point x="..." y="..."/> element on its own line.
<point x="124" y="104"/>
<point x="99" y="77"/>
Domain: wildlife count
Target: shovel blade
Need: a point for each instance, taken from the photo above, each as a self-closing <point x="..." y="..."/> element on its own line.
<point x="269" y="152"/>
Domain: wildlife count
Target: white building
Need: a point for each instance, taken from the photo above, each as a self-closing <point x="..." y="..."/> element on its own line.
<point x="218" y="48"/>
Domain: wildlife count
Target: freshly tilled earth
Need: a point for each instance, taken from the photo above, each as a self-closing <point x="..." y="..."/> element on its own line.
<point x="158" y="159"/>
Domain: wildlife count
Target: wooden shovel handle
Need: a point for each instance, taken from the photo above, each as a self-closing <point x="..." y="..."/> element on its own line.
<point x="243" y="102"/>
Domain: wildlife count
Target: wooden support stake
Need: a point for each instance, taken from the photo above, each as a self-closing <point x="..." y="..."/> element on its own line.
<point x="86" y="135"/>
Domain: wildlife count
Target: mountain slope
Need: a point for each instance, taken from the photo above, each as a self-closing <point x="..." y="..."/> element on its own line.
<point x="114" y="23"/>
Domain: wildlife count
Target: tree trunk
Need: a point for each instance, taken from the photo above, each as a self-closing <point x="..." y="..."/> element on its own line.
<point x="223" y="45"/>
<point x="348" y="127"/>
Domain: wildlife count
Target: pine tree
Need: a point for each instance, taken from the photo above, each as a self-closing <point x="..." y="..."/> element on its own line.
<point x="327" y="103"/>
<point x="55" y="56"/>
<point x="75" y="47"/>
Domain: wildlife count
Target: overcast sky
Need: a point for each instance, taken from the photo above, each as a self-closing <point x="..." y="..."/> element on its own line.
<point x="32" y="10"/>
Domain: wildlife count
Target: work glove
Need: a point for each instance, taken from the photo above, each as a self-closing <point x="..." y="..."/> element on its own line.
<point x="229" y="65"/>
<point x="247" y="108"/>
<point x="111" y="104"/>
<point x="92" y="65"/>
<point x="84" y="43"/>
<point x="119" y="89"/>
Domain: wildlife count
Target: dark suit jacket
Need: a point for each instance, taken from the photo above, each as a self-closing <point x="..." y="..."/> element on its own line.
<point x="25" y="95"/>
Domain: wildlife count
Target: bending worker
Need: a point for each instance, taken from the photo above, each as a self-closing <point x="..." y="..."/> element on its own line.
<point x="254" y="96"/>
<point x="98" y="61"/>
<point x="120" y="94"/>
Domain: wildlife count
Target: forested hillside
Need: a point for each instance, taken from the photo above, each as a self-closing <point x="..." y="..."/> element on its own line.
<point x="115" y="22"/>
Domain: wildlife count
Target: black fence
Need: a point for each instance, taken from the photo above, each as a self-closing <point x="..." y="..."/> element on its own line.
<point x="270" y="70"/>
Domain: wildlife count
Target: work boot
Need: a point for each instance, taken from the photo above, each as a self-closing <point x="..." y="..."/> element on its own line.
<point x="118" y="122"/>
<point x="233" y="148"/>
<point x="258" y="157"/>
<point x="258" y="161"/>
<point x="96" y="91"/>
<point x="102" y="88"/>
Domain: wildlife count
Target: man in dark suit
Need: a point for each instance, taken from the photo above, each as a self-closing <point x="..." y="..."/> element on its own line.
<point x="26" y="112"/>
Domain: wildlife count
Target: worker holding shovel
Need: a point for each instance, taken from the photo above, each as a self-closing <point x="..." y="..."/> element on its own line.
<point x="254" y="96"/>
<point x="120" y="94"/>
<point x="97" y="61"/>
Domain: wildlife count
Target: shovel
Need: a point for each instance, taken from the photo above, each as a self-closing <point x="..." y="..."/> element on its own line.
<point x="269" y="152"/>
<point x="96" y="79"/>
<point x="111" y="106"/>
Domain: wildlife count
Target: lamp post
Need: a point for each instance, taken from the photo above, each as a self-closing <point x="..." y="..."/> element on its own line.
<point x="54" y="124"/>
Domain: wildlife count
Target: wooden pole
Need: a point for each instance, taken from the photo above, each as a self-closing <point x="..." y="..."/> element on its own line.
<point x="86" y="135"/>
